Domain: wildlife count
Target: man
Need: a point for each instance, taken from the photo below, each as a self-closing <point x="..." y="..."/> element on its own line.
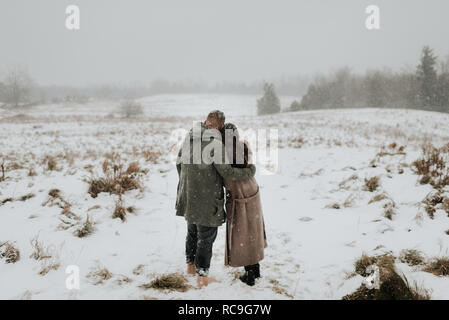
<point x="202" y="165"/>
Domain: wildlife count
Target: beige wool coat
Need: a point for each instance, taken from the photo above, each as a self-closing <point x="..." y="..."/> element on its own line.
<point x="245" y="228"/>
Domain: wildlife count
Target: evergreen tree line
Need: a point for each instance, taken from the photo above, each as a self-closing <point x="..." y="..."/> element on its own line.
<point x="426" y="88"/>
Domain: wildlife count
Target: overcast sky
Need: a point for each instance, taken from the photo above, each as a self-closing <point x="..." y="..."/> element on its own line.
<point x="210" y="40"/>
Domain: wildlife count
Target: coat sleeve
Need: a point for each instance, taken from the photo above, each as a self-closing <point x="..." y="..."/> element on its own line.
<point x="228" y="172"/>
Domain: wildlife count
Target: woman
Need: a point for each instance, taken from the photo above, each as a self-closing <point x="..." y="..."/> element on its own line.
<point x="245" y="229"/>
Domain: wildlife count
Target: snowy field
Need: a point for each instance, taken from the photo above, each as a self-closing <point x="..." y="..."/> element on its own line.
<point x="319" y="217"/>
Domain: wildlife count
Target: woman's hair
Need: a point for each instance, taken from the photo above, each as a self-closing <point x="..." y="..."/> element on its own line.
<point x="237" y="145"/>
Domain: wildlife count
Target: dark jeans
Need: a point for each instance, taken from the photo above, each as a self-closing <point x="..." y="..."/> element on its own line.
<point x="199" y="242"/>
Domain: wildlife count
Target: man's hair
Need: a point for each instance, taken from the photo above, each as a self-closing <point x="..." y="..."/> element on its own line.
<point x="215" y="119"/>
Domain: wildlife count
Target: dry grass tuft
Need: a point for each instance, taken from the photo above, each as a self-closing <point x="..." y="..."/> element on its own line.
<point x="389" y="210"/>
<point x="55" y="198"/>
<point x="3" y="176"/>
<point x="50" y="163"/>
<point x="412" y="257"/>
<point x="119" y="211"/>
<point x="433" y="166"/>
<point x="431" y="201"/>
<point x="172" y="282"/>
<point x="361" y="265"/>
<point x="27" y="197"/>
<point x="116" y="180"/>
<point x="48" y="267"/>
<point x="40" y="252"/>
<point x="86" y="229"/>
<point x="99" y="275"/>
<point x="8" y="252"/>
<point x="378" y="197"/>
<point x="372" y="184"/>
<point x="6" y="201"/>
<point x="392" y="286"/>
<point x="438" y="266"/>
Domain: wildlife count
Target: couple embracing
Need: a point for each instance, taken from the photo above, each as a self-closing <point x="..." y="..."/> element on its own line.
<point x="213" y="160"/>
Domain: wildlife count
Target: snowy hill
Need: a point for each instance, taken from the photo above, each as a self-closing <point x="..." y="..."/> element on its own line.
<point x="319" y="216"/>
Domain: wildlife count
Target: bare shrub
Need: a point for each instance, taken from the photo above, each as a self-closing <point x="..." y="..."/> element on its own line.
<point x="130" y="109"/>
<point x="372" y="184"/>
<point x="8" y="252"/>
<point x="411" y="257"/>
<point x="172" y="282"/>
<point x="438" y="266"/>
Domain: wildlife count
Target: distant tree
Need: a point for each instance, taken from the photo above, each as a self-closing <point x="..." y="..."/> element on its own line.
<point x="269" y="103"/>
<point x="443" y="92"/>
<point x="376" y="91"/>
<point x="2" y="92"/>
<point x="427" y="79"/>
<point x="130" y="108"/>
<point x="295" y="106"/>
<point x="17" y="86"/>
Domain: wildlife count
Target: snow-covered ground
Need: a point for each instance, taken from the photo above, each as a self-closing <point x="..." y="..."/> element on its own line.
<point x="324" y="158"/>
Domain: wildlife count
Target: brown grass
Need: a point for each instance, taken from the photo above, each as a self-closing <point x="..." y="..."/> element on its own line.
<point x="8" y="252"/>
<point x="86" y="229"/>
<point x="48" y="267"/>
<point x="172" y="282"/>
<point x="438" y="266"/>
<point x="100" y="275"/>
<point x="392" y="285"/>
<point x="50" y="163"/>
<point x="3" y="176"/>
<point x="431" y="201"/>
<point x="389" y="210"/>
<point x="372" y="184"/>
<point x="40" y="252"/>
<point x="412" y="257"/>
<point x="378" y="197"/>
<point x="116" y="180"/>
<point x="55" y="198"/>
<point x="119" y="211"/>
<point x="384" y="260"/>
<point x="433" y="166"/>
<point x="26" y="197"/>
